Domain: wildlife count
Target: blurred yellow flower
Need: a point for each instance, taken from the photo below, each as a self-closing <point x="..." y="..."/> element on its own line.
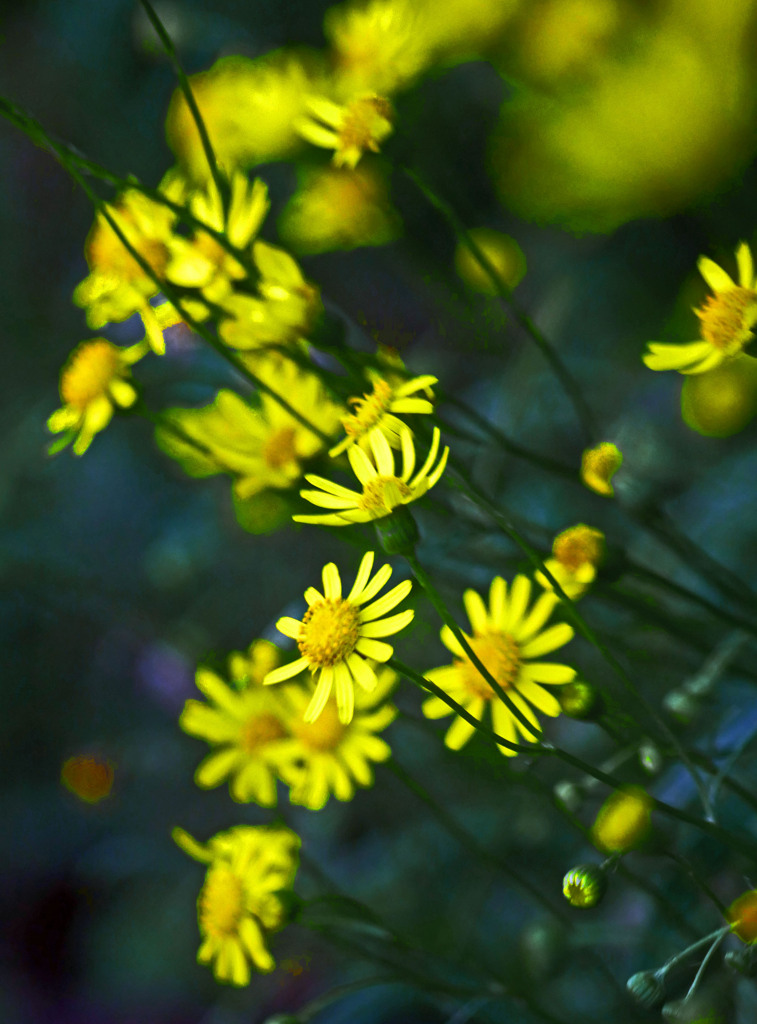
<point x="502" y="251"/>
<point x="336" y="636"/>
<point x="240" y="903"/>
<point x="382" y="491"/>
<point x="742" y="914"/>
<point x="359" y="126"/>
<point x="576" y="552"/>
<point x="726" y="319"/>
<point x="721" y="402"/>
<point x="506" y="638"/>
<point x="599" y="465"/>
<point x="95" y="379"/>
<point x="623" y="821"/>
<point x="336" y="208"/>
<point x="375" y="411"/>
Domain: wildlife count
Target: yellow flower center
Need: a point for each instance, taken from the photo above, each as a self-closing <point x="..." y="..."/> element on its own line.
<point x="368" y="410"/>
<point x="723" y="322"/>
<point x="323" y="734"/>
<point x="330" y="630"/>
<point x="279" y="449"/>
<point x="89" y="373"/>
<point x="576" y="546"/>
<point x="500" y="654"/>
<point x="365" y="123"/>
<point x="259" y="730"/>
<point x="221" y="903"/>
<point x="382" y="494"/>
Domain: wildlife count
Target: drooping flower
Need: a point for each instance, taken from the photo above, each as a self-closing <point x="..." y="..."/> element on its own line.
<point x="337" y="634"/>
<point x="727" y="320"/>
<point x="599" y="465"/>
<point x="359" y="126"/>
<point x="375" y="411"/>
<point x="506" y="638"/>
<point x="327" y="756"/>
<point x="576" y="552"/>
<point x="240" y="903"/>
<point x="95" y="379"/>
<point x="383" y="491"/>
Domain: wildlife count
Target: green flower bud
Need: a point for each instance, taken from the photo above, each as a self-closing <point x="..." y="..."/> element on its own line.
<point x="579" y="699"/>
<point x="584" y="885"/>
<point x="647" y="988"/>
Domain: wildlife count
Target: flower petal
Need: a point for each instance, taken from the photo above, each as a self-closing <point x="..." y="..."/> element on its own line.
<point x="345" y="693"/>
<point x="382" y="453"/>
<point x="461" y="729"/>
<point x="332" y="584"/>
<point x="552" y="638"/>
<point x="321" y="695"/>
<point x="370" y="590"/>
<point x="540" y="698"/>
<point x="363" y="574"/>
<point x="476" y="610"/>
<point x="387" y="602"/>
<point x="746" y="266"/>
<point x="289" y="627"/>
<point x="389" y="626"/>
<point x="538" y="615"/>
<point x="714" y="275"/>
<point x="278" y="675"/>
<point x="548" y="672"/>
<point x="216" y="766"/>
<point x="520" y="592"/>
<point x="375" y="649"/>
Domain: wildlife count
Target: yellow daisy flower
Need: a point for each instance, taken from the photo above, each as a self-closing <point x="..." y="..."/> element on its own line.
<point x="726" y="319"/>
<point x="337" y="634"/>
<point x="93" y="382"/>
<point x="577" y="553"/>
<point x="240" y="904"/>
<point x="599" y="465"/>
<point x="375" y="411"/>
<point x="202" y="262"/>
<point x="245" y="726"/>
<point x="260" y="447"/>
<point x="328" y="757"/>
<point x="506" y="638"/>
<point x="350" y="130"/>
<point x="383" y="491"/>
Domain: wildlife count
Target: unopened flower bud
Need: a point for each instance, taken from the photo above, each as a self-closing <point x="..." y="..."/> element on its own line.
<point x="569" y="794"/>
<point x="650" y="757"/>
<point x="647" y="988"/>
<point x="584" y="886"/>
<point x="681" y="705"/>
<point x="623" y="821"/>
<point x="579" y="699"/>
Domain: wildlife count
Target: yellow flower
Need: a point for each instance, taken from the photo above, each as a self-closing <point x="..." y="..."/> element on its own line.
<point x="335" y="208"/>
<point x="577" y="553"/>
<point x="283" y="313"/>
<point x="502" y="251"/>
<point x="599" y="465"/>
<point x="726" y="319"/>
<point x="383" y="491"/>
<point x="378" y="46"/>
<point x="742" y="914"/>
<point x="245" y="726"/>
<point x="623" y="821"/>
<point x="374" y="411"/>
<point x="202" y="262"/>
<point x="329" y="757"/>
<point x="93" y="382"/>
<point x="250" y="667"/>
<point x="248" y="107"/>
<point x="337" y="635"/>
<point x="260" y="447"/>
<point x="505" y="638"/>
<point x="239" y="905"/>
<point x="351" y="130"/>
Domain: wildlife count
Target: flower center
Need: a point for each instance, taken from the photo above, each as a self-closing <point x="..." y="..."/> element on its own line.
<point x="723" y="322"/>
<point x="366" y="122"/>
<point x="576" y="547"/>
<point x="323" y="734"/>
<point x="368" y="410"/>
<point x="259" y="730"/>
<point x="382" y="494"/>
<point x="221" y="903"/>
<point x="280" y="449"/>
<point x="330" y="630"/>
<point x="89" y="373"/>
<point x="500" y="654"/>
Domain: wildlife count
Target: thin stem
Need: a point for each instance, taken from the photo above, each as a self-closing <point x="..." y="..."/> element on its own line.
<point x="167" y="43"/>
<point x="566" y="379"/>
<point x="703" y="966"/>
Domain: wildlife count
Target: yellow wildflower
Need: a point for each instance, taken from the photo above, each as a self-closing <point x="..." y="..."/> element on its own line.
<point x="506" y="638"/>
<point x="726" y="319"/>
<point x="577" y="553"/>
<point x="742" y="914"/>
<point x="623" y="821"/>
<point x="260" y="447"/>
<point x="337" y="635"/>
<point x="375" y="411"/>
<point x="251" y="666"/>
<point x="330" y="757"/>
<point x="336" y="208"/>
<point x="382" y="491"/>
<point x="721" y="402"/>
<point x="240" y="903"/>
<point x="599" y="465"/>
<point x="350" y="130"/>
<point x="95" y="379"/>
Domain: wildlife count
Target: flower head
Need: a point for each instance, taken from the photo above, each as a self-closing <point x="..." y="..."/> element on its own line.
<point x="350" y="130"/>
<point x="727" y="319"/>
<point x="576" y="552"/>
<point x="623" y="820"/>
<point x="95" y="379"/>
<point x="383" y="491"/>
<point x="240" y="902"/>
<point x="599" y="465"/>
<point x="337" y="634"/>
<point x="742" y="914"/>
<point x="375" y="411"/>
<point x="506" y="638"/>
